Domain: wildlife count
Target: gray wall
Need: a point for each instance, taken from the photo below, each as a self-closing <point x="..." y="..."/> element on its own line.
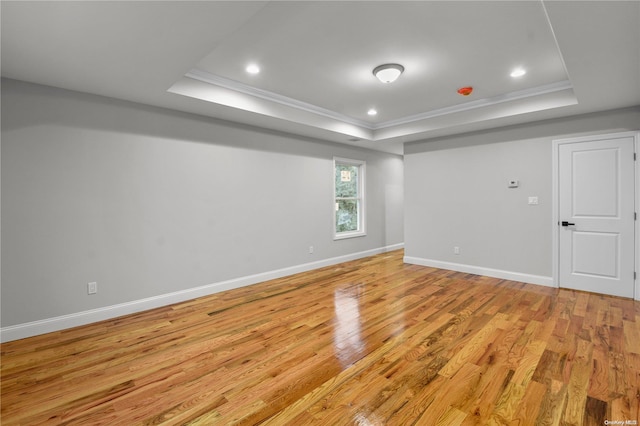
<point x="147" y="201"/>
<point x="456" y="193"/>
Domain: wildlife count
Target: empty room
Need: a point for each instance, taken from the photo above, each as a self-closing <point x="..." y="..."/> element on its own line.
<point x="320" y="212"/>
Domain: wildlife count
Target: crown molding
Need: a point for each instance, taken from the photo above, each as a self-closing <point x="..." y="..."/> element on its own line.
<point x="479" y="103"/>
<point x="296" y="104"/>
<point x="237" y="86"/>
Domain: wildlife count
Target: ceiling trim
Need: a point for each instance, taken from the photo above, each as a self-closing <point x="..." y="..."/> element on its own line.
<point x="480" y="103"/>
<point x="236" y="86"/>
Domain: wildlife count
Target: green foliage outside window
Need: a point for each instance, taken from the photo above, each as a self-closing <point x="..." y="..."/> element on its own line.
<point x="347" y="198"/>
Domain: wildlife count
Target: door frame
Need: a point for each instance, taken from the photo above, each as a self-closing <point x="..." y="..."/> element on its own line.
<point x="555" y="196"/>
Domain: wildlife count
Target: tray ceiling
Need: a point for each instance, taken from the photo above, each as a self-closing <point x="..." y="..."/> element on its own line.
<point x="316" y="61"/>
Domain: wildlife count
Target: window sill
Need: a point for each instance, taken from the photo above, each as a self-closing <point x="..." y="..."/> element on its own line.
<point x="346" y="235"/>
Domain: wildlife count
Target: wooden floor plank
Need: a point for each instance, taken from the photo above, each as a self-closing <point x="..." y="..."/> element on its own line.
<point x="372" y="341"/>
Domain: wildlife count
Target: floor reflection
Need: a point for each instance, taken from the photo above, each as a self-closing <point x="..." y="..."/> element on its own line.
<point x="347" y="338"/>
<point x="360" y="419"/>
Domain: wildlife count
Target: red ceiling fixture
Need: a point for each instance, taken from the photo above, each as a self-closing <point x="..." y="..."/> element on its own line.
<point x="465" y="91"/>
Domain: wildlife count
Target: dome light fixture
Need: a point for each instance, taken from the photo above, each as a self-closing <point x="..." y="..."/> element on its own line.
<point x="372" y="112"/>
<point x="388" y="73"/>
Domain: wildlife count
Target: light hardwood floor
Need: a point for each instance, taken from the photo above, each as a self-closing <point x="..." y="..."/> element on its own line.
<point x="368" y="342"/>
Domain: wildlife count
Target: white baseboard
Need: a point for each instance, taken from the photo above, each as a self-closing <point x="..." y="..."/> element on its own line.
<point x="478" y="270"/>
<point x="21" y="331"/>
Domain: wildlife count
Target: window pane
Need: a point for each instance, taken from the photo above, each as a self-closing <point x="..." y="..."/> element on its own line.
<point x="346" y="181"/>
<point x="349" y="176"/>
<point x="346" y="215"/>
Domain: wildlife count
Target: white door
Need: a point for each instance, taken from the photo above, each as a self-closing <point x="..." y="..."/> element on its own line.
<point x="596" y="217"/>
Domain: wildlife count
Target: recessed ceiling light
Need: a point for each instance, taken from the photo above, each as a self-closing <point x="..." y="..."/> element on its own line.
<point x="388" y="73"/>
<point x="518" y="72"/>
<point x="252" y="69"/>
<point x="372" y="112"/>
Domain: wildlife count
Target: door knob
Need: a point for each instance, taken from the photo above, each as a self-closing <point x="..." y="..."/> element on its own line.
<point x="565" y="223"/>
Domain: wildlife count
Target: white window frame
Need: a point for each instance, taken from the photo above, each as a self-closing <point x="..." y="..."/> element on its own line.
<point x="361" y="232"/>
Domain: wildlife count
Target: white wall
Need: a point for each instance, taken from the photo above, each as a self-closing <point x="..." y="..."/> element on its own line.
<point x="149" y="202"/>
<point x="456" y="194"/>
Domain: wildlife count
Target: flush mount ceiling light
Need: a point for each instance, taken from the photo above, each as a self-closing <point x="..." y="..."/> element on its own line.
<point x="372" y="111"/>
<point x="388" y="73"/>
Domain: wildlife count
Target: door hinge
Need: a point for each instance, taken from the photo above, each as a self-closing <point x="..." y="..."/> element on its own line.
<point x="635" y="157"/>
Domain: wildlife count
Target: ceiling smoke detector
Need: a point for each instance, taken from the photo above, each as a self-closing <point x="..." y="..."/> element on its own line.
<point x="465" y="91"/>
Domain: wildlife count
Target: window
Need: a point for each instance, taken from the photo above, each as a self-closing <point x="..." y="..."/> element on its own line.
<point x="349" y="178"/>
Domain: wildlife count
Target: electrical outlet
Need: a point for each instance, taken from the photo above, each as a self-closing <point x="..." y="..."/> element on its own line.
<point x="310" y="249"/>
<point x="92" y="288"/>
<point x="456" y="250"/>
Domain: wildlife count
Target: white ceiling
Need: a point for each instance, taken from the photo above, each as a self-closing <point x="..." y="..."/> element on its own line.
<point x="316" y="61"/>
